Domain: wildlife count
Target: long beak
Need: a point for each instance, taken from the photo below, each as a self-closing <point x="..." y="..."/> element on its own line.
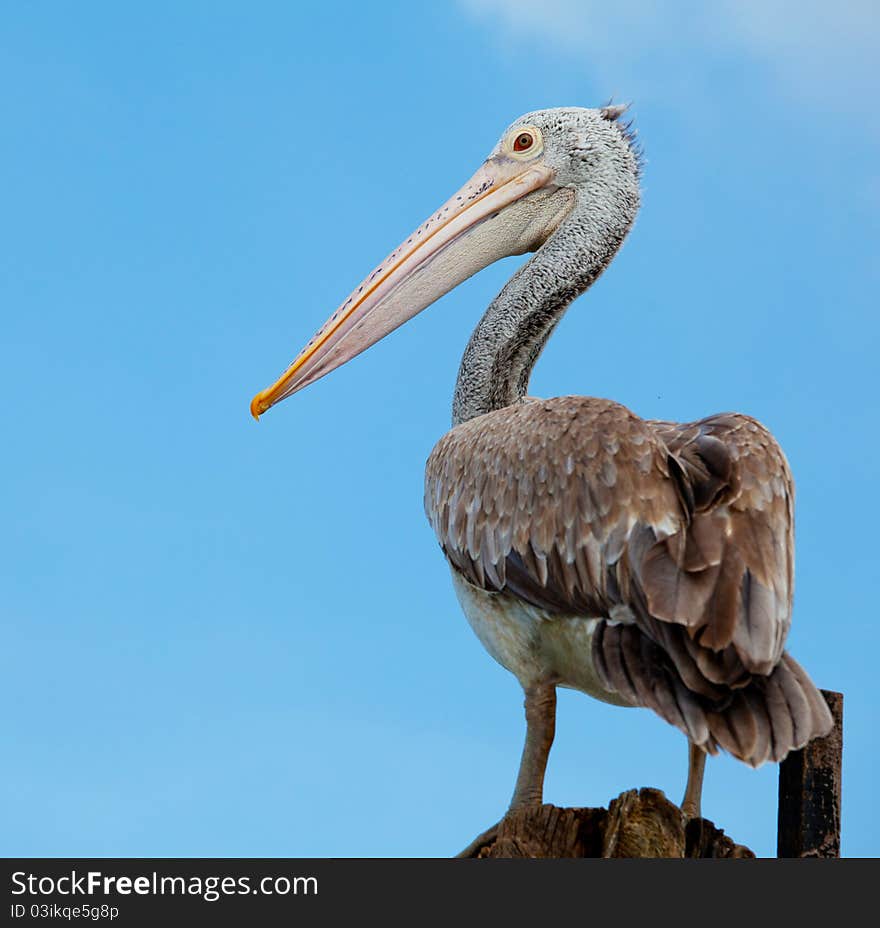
<point x="489" y="218"/>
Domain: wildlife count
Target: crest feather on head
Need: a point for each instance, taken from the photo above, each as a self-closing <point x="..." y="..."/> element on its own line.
<point x="613" y="112"/>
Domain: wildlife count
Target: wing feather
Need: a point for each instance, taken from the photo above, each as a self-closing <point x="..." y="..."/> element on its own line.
<point x="579" y="507"/>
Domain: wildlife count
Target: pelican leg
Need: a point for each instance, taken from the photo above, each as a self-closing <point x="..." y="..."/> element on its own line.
<point x="540" y="728"/>
<point x="693" y="792"/>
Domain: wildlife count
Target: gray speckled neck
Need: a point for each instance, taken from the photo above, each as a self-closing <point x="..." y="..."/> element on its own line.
<point x="508" y="340"/>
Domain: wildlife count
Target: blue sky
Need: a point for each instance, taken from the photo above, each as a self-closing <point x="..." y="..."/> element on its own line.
<point x="225" y="638"/>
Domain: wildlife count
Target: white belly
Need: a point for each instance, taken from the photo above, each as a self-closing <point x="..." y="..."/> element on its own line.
<point x="531" y="644"/>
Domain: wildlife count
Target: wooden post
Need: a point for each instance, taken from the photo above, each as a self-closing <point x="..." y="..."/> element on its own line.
<point x="809" y="793"/>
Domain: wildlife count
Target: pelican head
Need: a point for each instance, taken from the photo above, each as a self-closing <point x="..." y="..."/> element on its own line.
<point x="547" y="165"/>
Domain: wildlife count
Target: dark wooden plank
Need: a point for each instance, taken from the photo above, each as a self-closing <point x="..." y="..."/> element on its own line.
<point x="809" y="793"/>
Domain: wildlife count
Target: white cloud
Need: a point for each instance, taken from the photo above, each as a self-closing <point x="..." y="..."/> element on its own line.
<point x="816" y="52"/>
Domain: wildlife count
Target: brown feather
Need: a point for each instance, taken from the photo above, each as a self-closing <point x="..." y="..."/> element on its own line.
<point x="577" y="506"/>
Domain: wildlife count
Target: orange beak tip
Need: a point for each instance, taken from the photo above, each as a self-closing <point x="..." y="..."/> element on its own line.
<point x="257" y="407"/>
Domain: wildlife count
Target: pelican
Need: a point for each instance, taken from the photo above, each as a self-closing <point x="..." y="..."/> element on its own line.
<point x="645" y="563"/>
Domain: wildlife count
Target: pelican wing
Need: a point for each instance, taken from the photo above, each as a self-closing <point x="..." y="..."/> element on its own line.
<point x="736" y="555"/>
<point x="680" y="536"/>
<point x="542" y="498"/>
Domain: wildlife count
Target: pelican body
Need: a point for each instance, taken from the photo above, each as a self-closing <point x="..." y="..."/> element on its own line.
<point x="644" y="563"/>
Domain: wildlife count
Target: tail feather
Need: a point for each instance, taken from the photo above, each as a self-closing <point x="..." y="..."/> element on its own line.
<point x="762" y="720"/>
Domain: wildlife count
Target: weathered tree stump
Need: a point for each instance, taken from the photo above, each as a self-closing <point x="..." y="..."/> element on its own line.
<point x="638" y="823"/>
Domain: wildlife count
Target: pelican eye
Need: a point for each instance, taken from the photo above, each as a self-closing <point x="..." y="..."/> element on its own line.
<point x="526" y="142"/>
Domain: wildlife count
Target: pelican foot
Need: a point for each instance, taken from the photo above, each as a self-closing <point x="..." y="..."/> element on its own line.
<point x="690" y="810"/>
<point x="487" y="837"/>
